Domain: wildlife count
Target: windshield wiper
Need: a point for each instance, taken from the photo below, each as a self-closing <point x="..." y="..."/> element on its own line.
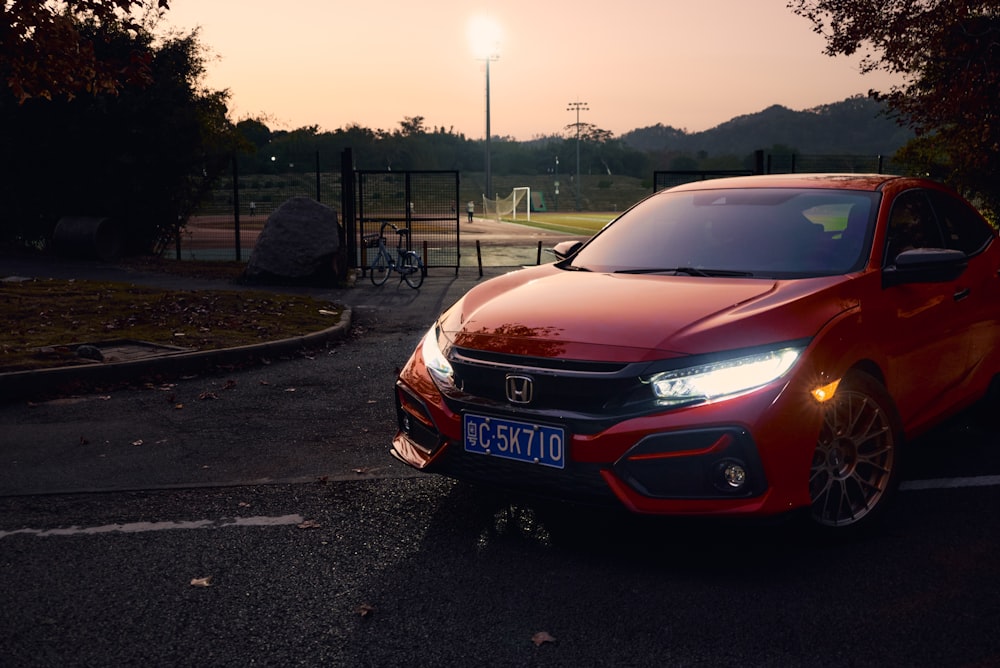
<point x="688" y="271"/>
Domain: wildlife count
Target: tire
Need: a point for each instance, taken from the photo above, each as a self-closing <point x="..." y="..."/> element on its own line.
<point x="855" y="467"/>
<point x="413" y="269"/>
<point x="379" y="270"/>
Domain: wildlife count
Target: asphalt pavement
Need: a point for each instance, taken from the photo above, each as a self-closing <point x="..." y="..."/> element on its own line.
<point x="254" y="516"/>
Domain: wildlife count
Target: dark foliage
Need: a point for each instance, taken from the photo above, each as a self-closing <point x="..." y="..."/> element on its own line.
<point x="949" y="54"/>
<point x="142" y="155"/>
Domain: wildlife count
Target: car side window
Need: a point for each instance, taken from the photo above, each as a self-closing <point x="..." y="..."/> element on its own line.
<point x="911" y="225"/>
<point x="964" y="229"/>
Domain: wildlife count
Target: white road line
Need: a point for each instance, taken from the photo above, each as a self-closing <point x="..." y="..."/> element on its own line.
<point x="950" y="483"/>
<point x="284" y="520"/>
<point x="140" y="527"/>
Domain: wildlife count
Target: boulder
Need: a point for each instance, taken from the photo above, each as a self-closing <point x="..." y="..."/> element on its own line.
<point x="301" y="242"/>
<point x="88" y="237"/>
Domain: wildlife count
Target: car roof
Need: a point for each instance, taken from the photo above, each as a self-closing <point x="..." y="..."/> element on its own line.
<point x="869" y="182"/>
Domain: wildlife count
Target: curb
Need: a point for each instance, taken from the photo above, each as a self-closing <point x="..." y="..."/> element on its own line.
<point x="25" y="385"/>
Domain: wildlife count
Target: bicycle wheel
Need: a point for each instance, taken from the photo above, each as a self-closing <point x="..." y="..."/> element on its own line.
<point x="412" y="269"/>
<point x="379" y="270"/>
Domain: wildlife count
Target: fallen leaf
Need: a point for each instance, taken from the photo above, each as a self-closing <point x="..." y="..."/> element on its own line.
<point x="137" y="441"/>
<point x="230" y="384"/>
<point x="365" y="609"/>
<point x="264" y="382"/>
<point x="310" y="524"/>
<point x="289" y="389"/>
<point x="202" y="582"/>
<point x="207" y="395"/>
<point x="243" y="504"/>
<point x="541" y="638"/>
<point x="178" y="406"/>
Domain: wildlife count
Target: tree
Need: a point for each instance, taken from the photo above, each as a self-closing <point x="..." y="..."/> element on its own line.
<point x="411" y="126"/>
<point x="948" y="52"/>
<point x="142" y="155"/>
<point x="44" y="53"/>
<point x="255" y="132"/>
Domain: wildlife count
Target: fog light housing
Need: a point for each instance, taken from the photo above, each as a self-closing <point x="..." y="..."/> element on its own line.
<point x="733" y="474"/>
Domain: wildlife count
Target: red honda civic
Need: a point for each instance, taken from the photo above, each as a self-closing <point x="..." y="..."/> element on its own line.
<point x="736" y="347"/>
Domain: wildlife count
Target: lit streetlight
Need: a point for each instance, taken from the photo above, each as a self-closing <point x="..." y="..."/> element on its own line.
<point x="484" y="38"/>
<point x="578" y="107"/>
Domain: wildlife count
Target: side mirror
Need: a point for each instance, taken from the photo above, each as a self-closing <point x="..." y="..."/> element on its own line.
<point x="565" y="249"/>
<point x="925" y="265"/>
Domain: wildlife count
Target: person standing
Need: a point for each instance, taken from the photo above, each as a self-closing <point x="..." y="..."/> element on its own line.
<point x="470" y="209"/>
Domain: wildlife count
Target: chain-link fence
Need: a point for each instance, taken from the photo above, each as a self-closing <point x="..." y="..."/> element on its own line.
<point x="426" y="203"/>
<point x="227" y="223"/>
<point x="784" y="163"/>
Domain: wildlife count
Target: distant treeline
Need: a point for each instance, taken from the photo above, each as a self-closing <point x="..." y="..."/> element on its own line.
<point x="857" y="125"/>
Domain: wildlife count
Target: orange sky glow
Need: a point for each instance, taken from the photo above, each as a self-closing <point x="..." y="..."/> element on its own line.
<point x="690" y="64"/>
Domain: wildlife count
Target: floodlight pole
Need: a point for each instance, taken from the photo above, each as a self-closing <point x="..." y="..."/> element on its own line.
<point x="489" y="174"/>
<point x="578" y="107"/>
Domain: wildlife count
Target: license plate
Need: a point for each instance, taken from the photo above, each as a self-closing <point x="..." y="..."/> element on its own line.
<point x="511" y="439"/>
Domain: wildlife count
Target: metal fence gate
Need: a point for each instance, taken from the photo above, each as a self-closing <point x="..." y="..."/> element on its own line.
<point x="424" y="202"/>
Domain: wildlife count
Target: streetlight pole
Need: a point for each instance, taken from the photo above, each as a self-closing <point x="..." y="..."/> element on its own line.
<point x="484" y="37"/>
<point x="578" y="107"/>
<point x="489" y="174"/>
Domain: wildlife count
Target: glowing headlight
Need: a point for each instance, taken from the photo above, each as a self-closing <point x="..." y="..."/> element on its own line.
<point x="434" y="359"/>
<point x="723" y="378"/>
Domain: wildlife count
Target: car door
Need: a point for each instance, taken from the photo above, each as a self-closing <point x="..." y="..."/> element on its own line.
<point x="965" y="230"/>
<point x="923" y="326"/>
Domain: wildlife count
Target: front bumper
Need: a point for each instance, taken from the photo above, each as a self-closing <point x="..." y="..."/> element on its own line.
<point x="672" y="462"/>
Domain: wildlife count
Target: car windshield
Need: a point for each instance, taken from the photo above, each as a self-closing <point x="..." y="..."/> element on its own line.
<point x="764" y="233"/>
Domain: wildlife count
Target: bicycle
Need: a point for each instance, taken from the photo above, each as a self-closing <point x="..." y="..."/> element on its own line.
<point x="409" y="264"/>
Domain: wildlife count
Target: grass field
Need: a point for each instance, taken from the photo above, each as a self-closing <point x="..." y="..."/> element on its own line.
<point x="577" y="222"/>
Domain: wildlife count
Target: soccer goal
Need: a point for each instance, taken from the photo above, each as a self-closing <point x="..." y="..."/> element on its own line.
<point x="506" y="207"/>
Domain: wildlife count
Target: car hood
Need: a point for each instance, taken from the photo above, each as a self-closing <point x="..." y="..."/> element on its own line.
<point x="550" y="312"/>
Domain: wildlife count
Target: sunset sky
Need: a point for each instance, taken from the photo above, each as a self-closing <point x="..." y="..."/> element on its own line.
<point x="690" y="64"/>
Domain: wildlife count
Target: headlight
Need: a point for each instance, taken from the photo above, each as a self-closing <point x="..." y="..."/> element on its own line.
<point x="435" y="361"/>
<point x="722" y="379"/>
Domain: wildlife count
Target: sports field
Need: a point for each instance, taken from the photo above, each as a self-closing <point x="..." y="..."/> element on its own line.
<point x="577" y="222"/>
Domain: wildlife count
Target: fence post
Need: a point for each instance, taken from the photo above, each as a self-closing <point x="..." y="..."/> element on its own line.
<point x="347" y="204"/>
<point x="236" y="208"/>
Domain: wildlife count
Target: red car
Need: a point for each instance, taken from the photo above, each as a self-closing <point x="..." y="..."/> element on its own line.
<point x="742" y="346"/>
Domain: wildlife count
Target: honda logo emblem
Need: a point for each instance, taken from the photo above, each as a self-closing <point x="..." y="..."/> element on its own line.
<point x="520" y="389"/>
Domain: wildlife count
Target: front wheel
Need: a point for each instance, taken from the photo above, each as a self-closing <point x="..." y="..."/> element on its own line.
<point x="379" y="270"/>
<point x="855" y="467"/>
<point x="413" y="269"/>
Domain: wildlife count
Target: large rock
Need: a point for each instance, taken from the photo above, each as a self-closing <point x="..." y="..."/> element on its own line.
<point x="301" y="242"/>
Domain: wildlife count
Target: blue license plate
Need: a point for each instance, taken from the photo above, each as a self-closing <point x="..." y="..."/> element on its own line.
<point x="511" y="439"/>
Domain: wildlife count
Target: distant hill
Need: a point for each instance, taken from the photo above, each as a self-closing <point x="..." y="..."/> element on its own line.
<point x="855" y="126"/>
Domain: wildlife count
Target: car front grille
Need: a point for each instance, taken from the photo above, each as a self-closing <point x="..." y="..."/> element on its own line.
<point x="593" y="389"/>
